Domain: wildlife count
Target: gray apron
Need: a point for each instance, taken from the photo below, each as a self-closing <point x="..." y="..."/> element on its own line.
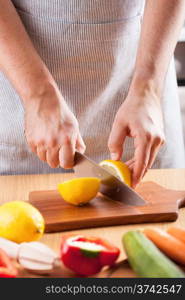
<point x="90" y="47"/>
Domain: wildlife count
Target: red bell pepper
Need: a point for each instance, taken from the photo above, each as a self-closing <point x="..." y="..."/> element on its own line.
<point x="7" y="269"/>
<point x="87" y="255"/>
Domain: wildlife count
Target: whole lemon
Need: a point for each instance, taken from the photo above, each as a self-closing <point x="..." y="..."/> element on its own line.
<point x="20" y="222"/>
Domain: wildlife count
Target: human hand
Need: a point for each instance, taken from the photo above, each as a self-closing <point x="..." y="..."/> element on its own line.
<point x="51" y="130"/>
<point x="139" y="117"/>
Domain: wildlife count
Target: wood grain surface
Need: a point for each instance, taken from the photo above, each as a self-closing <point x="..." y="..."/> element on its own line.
<point x="18" y="188"/>
<point x="161" y="205"/>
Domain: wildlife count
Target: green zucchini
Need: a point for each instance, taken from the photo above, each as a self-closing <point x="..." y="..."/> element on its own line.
<point x="146" y="259"/>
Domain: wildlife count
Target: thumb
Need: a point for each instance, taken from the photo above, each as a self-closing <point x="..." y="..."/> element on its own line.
<point x="116" y="140"/>
<point x="80" y="145"/>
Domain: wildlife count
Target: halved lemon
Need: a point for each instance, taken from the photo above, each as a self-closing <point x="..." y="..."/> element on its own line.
<point x="79" y="191"/>
<point x="118" y="169"/>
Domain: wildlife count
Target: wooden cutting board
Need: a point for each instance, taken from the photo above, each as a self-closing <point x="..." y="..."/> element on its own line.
<point x="162" y="205"/>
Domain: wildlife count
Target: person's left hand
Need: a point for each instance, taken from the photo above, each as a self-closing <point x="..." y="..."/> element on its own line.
<point x="139" y="117"/>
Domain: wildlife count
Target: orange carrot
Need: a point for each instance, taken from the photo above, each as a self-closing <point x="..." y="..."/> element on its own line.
<point x="168" y="244"/>
<point x="178" y="233"/>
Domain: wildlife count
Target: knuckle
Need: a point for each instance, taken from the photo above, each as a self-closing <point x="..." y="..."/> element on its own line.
<point x="33" y="149"/>
<point x="52" y="164"/>
<point x="70" y="126"/>
<point x="118" y="120"/>
<point x="66" y="165"/>
<point x="42" y="158"/>
<point x="52" y="142"/>
<point x="137" y="177"/>
<point x="148" y="136"/>
<point x="29" y="139"/>
<point x="163" y="140"/>
<point x="144" y="165"/>
<point x="112" y="146"/>
<point x="31" y="142"/>
<point x="158" y="139"/>
<point x="40" y="142"/>
<point x="67" y="140"/>
<point x="32" y="146"/>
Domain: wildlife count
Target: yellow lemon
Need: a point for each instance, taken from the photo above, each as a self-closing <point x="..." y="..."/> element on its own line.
<point x="118" y="169"/>
<point x="20" y="222"/>
<point x="79" y="191"/>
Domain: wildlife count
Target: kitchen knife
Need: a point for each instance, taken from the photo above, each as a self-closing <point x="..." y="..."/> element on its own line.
<point x="111" y="186"/>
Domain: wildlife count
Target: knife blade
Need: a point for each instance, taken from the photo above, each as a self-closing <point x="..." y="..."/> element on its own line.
<point x="111" y="186"/>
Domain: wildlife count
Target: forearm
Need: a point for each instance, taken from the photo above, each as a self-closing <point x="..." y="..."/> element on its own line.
<point x="18" y="57"/>
<point x="161" y="26"/>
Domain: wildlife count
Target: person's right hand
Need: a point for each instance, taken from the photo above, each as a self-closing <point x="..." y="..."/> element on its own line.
<point x="51" y="129"/>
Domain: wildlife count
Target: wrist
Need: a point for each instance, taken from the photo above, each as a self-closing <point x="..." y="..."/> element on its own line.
<point x="145" y="83"/>
<point x="45" y="93"/>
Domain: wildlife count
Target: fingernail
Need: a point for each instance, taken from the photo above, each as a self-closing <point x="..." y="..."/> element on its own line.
<point x="66" y="166"/>
<point x="114" y="156"/>
<point x="134" y="183"/>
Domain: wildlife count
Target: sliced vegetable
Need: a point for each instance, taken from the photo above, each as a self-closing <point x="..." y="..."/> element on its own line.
<point x="118" y="169"/>
<point x="178" y="233"/>
<point x="146" y="259"/>
<point x="87" y="255"/>
<point x="7" y="269"/>
<point x="79" y="191"/>
<point x="171" y="246"/>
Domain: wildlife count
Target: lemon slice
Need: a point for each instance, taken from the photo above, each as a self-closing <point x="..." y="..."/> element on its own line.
<point x="79" y="191"/>
<point x="118" y="169"/>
